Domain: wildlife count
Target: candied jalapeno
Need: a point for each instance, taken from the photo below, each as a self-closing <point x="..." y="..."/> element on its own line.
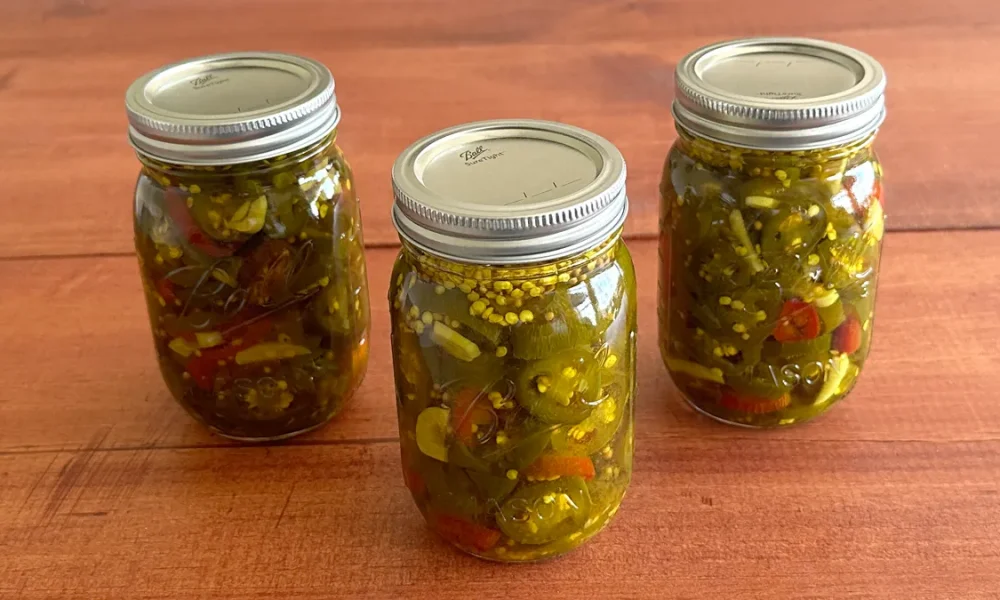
<point x="252" y="264"/>
<point x="769" y="245"/>
<point x="518" y="426"/>
<point x="513" y="341"/>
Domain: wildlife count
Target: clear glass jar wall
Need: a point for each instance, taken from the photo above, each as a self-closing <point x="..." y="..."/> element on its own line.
<point x="254" y="277"/>
<point x="769" y="266"/>
<point x="514" y="393"/>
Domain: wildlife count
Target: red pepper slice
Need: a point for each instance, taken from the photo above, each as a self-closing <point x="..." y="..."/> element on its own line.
<point x="746" y="403"/>
<point x="463" y="532"/>
<point x="165" y="288"/>
<point x="847" y="337"/>
<point x="798" y="321"/>
<point x="469" y="414"/>
<point x="181" y="216"/>
<point x="203" y="368"/>
<point x="551" y="466"/>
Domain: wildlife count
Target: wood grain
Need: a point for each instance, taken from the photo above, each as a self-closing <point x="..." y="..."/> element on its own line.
<point x="67" y="171"/>
<point x="704" y="519"/>
<point x="81" y="363"/>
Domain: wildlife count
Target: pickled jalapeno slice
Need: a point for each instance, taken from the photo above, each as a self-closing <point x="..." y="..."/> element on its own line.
<point x="514" y="385"/>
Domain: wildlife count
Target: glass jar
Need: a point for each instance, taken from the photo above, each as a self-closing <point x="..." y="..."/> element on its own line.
<point x="513" y="335"/>
<point x="248" y="234"/>
<point x="771" y="228"/>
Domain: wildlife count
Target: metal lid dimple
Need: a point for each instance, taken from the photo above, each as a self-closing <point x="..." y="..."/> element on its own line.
<point x="231" y="108"/>
<point x="780" y="93"/>
<point x="509" y="192"/>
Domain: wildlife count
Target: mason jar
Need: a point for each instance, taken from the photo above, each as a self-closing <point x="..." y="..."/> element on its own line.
<point x="513" y="335"/>
<point x="248" y="235"/>
<point x="771" y="228"/>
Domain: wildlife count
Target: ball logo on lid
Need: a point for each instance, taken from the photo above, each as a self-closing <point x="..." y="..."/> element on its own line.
<point x="471" y="154"/>
<point x="205" y="81"/>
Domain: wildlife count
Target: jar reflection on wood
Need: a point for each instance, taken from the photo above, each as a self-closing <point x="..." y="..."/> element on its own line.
<point x="248" y="234"/>
<point x="513" y="335"/>
<point x="771" y="228"/>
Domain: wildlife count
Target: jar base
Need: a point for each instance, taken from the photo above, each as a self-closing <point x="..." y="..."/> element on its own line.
<point x="778" y="424"/>
<point x="273" y="438"/>
<point x="513" y="558"/>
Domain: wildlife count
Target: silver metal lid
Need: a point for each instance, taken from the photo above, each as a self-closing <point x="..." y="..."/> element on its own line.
<point x="509" y="192"/>
<point x="231" y="108"/>
<point x="780" y="93"/>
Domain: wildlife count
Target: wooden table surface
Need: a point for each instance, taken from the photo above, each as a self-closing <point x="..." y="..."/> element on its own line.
<point x="108" y="490"/>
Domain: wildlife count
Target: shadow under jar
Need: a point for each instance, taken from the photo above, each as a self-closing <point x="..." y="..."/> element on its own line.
<point x="513" y="335"/>
<point x="248" y="234"/>
<point x="771" y="228"/>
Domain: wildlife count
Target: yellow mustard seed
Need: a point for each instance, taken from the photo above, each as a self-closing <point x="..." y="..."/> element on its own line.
<point x="465" y="289"/>
<point x="725" y="300"/>
<point x="535" y="292"/>
<point x="501" y="286"/>
<point x="488" y="312"/>
<point x="517" y="293"/>
<point x="761" y="315"/>
<point x="745" y="336"/>
<point x="449" y="285"/>
<point x="512" y="474"/>
<point x="472" y="296"/>
<point x="477" y="308"/>
<point x="427" y="318"/>
<point x="610" y="361"/>
<point x="501" y="351"/>
<point x="195" y="188"/>
<point x="813" y="260"/>
<point x="717" y="351"/>
<point x="439" y="290"/>
<point x="563" y="277"/>
<point x="511" y="318"/>
<point x="741" y="251"/>
<point x="550" y="315"/>
<point x="527" y="316"/>
<point x="781" y="175"/>
<point x="569" y="372"/>
<point x="496" y="319"/>
<point x="501" y="301"/>
<point x="418" y="327"/>
<point x="813" y="210"/>
<point x="739" y="328"/>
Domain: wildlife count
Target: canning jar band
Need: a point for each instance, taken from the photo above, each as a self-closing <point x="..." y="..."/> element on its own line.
<point x="782" y="140"/>
<point x="298" y="155"/>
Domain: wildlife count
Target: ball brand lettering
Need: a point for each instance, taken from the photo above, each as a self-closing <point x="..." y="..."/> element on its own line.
<point x="471" y="154"/>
